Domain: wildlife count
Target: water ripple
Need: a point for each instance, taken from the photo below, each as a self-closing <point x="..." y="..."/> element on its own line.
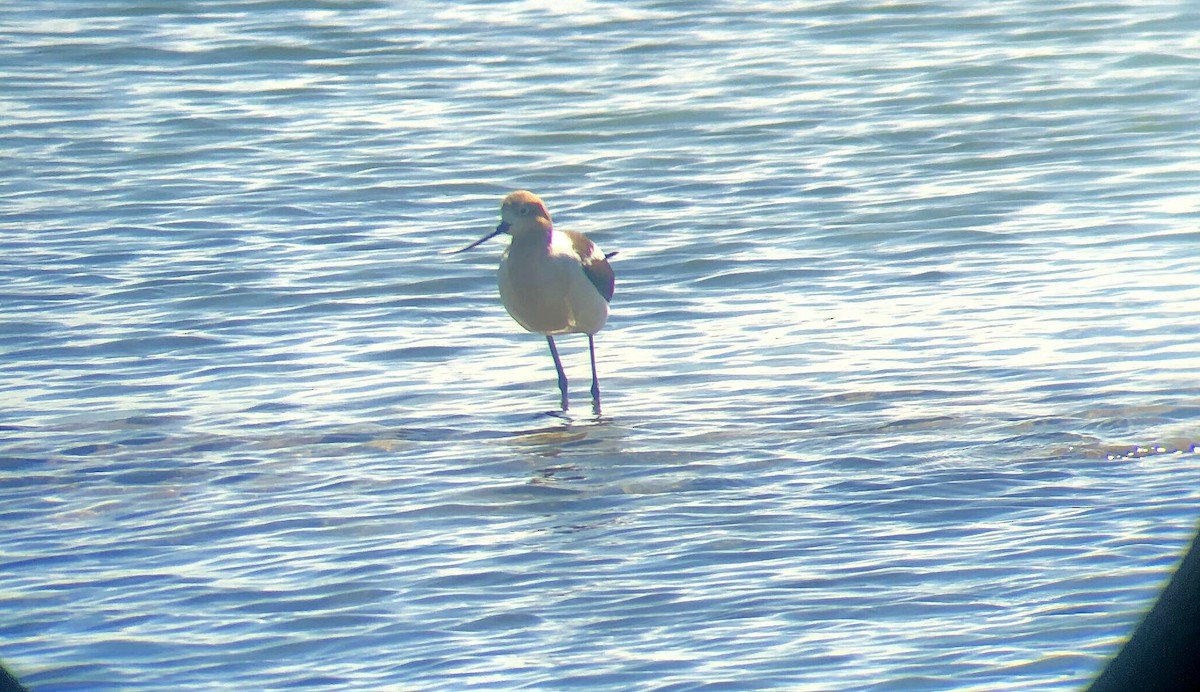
<point x="897" y="382"/>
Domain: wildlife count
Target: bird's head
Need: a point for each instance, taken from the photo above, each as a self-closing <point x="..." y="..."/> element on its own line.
<point x="522" y="213"/>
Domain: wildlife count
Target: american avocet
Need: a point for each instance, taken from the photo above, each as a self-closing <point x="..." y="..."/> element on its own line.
<point x="552" y="282"/>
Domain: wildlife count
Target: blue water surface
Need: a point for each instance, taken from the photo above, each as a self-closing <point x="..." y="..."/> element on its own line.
<point x="900" y="382"/>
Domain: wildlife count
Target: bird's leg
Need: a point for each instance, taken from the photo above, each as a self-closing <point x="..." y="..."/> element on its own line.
<point x="595" y="380"/>
<point x="562" y="376"/>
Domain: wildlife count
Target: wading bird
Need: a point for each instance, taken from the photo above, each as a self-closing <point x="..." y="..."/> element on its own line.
<point x="552" y="282"/>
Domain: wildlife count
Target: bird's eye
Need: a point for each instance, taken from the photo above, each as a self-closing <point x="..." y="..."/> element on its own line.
<point x="524" y="211"/>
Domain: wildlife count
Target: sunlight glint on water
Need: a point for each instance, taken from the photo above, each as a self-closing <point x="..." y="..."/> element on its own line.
<point x="899" y="383"/>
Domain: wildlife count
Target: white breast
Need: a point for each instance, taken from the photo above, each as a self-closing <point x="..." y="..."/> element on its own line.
<point x="546" y="291"/>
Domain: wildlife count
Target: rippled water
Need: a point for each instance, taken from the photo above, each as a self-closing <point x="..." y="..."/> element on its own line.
<point x="900" y="382"/>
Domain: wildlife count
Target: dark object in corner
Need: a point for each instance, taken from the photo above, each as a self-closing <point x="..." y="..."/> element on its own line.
<point x="8" y="682"/>
<point x="1163" y="653"/>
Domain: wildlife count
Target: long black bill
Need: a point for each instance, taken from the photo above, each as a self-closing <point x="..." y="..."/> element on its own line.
<point x="501" y="228"/>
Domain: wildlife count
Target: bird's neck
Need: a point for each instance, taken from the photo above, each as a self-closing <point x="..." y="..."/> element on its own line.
<point x="540" y="237"/>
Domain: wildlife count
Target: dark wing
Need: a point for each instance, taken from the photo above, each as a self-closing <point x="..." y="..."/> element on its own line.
<point x="595" y="263"/>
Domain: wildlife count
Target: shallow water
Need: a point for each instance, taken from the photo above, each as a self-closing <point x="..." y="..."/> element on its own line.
<point x="900" y="384"/>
